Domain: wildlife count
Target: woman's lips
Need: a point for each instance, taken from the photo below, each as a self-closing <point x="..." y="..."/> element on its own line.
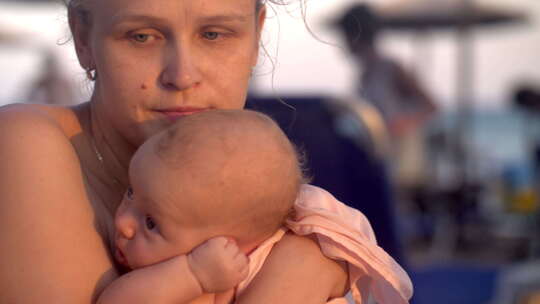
<point x="176" y="113"/>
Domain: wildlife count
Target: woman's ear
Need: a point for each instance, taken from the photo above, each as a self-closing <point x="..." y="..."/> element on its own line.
<point x="79" y="23"/>
<point x="261" y="18"/>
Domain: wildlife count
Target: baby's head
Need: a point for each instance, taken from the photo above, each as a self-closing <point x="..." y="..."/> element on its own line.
<point x="220" y="172"/>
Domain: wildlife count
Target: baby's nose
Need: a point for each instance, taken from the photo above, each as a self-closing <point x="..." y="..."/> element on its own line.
<point x="127" y="232"/>
<point x="125" y="226"/>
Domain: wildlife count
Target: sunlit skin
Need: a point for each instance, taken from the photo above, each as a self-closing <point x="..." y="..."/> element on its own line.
<point x="157" y="218"/>
<point x="177" y="57"/>
<point x="159" y="230"/>
<point x="157" y="60"/>
<point x="169" y="56"/>
<point x="201" y="187"/>
<point x="203" y="194"/>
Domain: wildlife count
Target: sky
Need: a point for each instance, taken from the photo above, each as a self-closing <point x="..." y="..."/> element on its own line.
<point x="503" y="56"/>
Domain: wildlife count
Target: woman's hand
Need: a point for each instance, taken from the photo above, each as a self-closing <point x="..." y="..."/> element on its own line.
<point x="295" y="272"/>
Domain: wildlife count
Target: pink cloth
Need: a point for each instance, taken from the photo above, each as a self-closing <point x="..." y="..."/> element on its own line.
<point x="344" y="234"/>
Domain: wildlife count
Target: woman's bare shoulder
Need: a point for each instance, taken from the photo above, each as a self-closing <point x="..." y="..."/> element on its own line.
<point x="30" y="131"/>
<point x="32" y="115"/>
<point x="47" y="233"/>
<point x="33" y="136"/>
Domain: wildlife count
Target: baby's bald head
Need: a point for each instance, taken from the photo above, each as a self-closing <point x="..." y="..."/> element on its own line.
<point x="241" y="165"/>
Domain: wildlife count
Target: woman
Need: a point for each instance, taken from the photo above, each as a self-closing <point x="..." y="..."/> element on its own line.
<point x="64" y="170"/>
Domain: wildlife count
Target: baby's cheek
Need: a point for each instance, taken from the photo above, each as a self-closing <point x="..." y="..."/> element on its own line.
<point x="148" y="255"/>
<point x="137" y="255"/>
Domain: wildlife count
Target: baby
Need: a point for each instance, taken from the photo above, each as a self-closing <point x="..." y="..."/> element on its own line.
<point x="217" y="173"/>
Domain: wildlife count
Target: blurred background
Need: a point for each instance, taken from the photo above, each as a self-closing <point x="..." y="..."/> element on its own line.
<point x="423" y="114"/>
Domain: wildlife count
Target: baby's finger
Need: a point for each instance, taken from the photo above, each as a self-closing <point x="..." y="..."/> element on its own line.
<point x="244" y="273"/>
<point x="241" y="260"/>
<point x="220" y="240"/>
<point x="243" y="266"/>
<point x="232" y="249"/>
<point x="231" y="241"/>
<point x="218" y="243"/>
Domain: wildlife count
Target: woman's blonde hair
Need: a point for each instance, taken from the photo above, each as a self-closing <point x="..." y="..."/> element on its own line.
<point x="78" y="4"/>
<point x="76" y="8"/>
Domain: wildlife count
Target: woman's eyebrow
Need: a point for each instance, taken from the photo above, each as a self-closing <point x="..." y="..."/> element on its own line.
<point x="225" y="18"/>
<point x="156" y="20"/>
<point x="136" y="18"/>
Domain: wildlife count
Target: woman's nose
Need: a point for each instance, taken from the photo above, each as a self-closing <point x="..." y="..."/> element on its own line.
<point x="125" y="223"/>
<point x="181" y="70"/>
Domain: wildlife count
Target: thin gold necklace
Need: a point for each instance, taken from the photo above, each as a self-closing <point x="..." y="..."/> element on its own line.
<point x="116" y="183"/>
<point x="98" y="154"/>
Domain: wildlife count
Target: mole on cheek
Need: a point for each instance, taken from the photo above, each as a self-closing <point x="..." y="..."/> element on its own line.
<point x="143" y="86"/>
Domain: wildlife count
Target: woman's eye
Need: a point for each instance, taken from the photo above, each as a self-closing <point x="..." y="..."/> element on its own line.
<point x="141" y="38"/>
<point x="150" y="224"/>
<point x="129" y="193"/>
<point x="211" y="35"/>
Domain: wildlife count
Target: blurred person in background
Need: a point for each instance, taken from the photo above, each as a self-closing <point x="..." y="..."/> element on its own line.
<point x="51" y="86"/>
<point x="394" y="91"/>
<point x="527" y="98"/>
<point x="403" y="103"/>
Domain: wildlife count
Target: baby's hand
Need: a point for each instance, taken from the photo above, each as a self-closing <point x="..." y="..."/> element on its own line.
<point x="218" y="264"/>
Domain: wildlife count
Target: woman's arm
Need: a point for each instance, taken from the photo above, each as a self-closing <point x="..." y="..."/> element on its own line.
<point x="296" y="271"/>
<point x="49" y="247"/>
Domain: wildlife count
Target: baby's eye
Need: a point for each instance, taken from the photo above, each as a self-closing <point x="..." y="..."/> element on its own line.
<point x="129" y="193"/>
<point x="211" y="35"/>
<point x="150" y="224"/>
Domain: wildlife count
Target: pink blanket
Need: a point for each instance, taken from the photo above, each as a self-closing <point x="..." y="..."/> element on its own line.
<point x="344" y="234"/>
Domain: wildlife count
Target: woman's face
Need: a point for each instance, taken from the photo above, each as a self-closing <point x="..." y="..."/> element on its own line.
<point x="157" y="60"/>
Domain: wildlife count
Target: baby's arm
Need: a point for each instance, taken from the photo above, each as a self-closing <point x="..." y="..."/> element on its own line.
<point x="215" y="266"/>
<point x="170" y="281"/>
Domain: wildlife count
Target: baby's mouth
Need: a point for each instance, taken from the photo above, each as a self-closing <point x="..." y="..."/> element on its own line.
<point x="120" y="257"/>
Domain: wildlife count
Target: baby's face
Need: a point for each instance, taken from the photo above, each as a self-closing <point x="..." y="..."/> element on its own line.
<point x="145" y="236"/>
<point x="154" y="221"/>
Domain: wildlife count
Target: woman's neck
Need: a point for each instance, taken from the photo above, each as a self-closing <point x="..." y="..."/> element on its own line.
<point x="109" y="155"/>
<point x="110" y="148"/>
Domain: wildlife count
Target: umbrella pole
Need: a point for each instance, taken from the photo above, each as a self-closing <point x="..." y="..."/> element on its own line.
<point x="423" y="55"/>
<point x="463" y="195"/>
<point x="464" y="89"/>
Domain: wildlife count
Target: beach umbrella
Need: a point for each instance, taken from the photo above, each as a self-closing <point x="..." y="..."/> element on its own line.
<point x="460" y="16"/>
<point x="443" y="14"/>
